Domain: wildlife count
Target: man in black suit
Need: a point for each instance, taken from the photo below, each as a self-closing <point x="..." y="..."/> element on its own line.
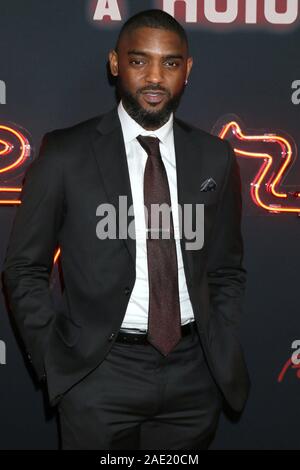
<point x="146" y="337"/>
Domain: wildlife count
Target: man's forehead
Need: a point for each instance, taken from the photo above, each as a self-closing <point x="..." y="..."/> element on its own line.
<point x="146" y="37"/>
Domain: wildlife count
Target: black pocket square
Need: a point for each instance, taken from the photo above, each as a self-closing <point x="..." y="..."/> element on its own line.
<point x="208" y="185"/>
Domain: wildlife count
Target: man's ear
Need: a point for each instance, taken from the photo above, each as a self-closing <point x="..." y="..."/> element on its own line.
<point x="113" y="62"/>
<point x="189" y="66"/>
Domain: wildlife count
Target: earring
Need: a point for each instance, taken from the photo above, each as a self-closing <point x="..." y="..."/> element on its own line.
<point x="186" y="82"/>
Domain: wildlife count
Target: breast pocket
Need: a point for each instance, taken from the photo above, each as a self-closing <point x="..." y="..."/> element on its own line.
<point x="208" y="197"/>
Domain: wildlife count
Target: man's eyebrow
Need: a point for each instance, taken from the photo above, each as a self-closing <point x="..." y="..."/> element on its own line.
<point x="169" y="56"/>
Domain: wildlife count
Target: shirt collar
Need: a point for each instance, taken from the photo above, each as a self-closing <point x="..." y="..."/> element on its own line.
<point x="131" y="129"/>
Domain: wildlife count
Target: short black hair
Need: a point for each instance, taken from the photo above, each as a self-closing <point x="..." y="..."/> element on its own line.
<point x="153" y="18"/>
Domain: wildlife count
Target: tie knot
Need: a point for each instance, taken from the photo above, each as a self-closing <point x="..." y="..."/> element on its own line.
<point x="150" y="144"/>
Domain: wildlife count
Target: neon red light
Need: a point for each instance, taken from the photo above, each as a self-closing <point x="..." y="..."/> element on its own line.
<point x="11" y="140"/>
<point x="6" y="147"/>
<point x="265" y="187"/>
<point x="287" y="365"/>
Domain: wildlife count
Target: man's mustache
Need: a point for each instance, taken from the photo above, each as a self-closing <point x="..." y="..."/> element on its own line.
<point x="154" y="90"/>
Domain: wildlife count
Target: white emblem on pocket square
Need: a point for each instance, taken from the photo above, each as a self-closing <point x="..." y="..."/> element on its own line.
<point x="208" y="185"/>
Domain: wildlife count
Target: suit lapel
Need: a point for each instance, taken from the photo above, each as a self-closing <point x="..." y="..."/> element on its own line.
<point x="110" y="154"/>
<point x="188" y="170"/>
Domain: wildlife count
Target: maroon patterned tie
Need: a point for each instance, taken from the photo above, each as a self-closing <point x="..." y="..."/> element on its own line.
<point x="164" y="320"/>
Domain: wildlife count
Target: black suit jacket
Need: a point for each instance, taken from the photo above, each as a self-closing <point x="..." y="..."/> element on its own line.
<point x="77" y="169"/>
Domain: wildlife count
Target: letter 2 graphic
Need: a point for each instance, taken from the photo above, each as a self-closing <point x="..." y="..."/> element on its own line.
<point x="272" y="155"/>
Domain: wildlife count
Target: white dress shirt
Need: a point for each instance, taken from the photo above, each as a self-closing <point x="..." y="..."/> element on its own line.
<point x="136" y="316"/>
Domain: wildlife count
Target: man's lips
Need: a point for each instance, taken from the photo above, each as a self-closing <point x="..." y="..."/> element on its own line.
<point x="153" y="96"/>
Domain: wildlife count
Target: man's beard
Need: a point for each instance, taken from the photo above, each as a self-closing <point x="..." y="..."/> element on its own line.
<point x="146" y="118"/>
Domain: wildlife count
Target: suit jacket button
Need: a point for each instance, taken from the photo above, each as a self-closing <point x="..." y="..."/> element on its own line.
<point x="29" y="357"/>
<point x="111" y="337"/>
<point x="127" y="290"/>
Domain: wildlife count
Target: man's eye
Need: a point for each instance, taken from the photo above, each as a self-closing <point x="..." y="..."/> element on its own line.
<point x="172" y="64"/>
<point x="136" y="61"/>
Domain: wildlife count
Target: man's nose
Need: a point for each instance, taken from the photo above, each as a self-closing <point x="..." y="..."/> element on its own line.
<point x="154" y="73"/>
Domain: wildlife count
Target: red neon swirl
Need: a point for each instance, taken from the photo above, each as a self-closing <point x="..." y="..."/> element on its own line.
<point x="265" y="182"/>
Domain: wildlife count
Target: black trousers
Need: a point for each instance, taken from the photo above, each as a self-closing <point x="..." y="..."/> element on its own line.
<point x="137" y="399"/>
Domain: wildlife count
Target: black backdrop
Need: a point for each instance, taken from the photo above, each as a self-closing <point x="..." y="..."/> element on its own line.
<point x="53" y="74"/>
